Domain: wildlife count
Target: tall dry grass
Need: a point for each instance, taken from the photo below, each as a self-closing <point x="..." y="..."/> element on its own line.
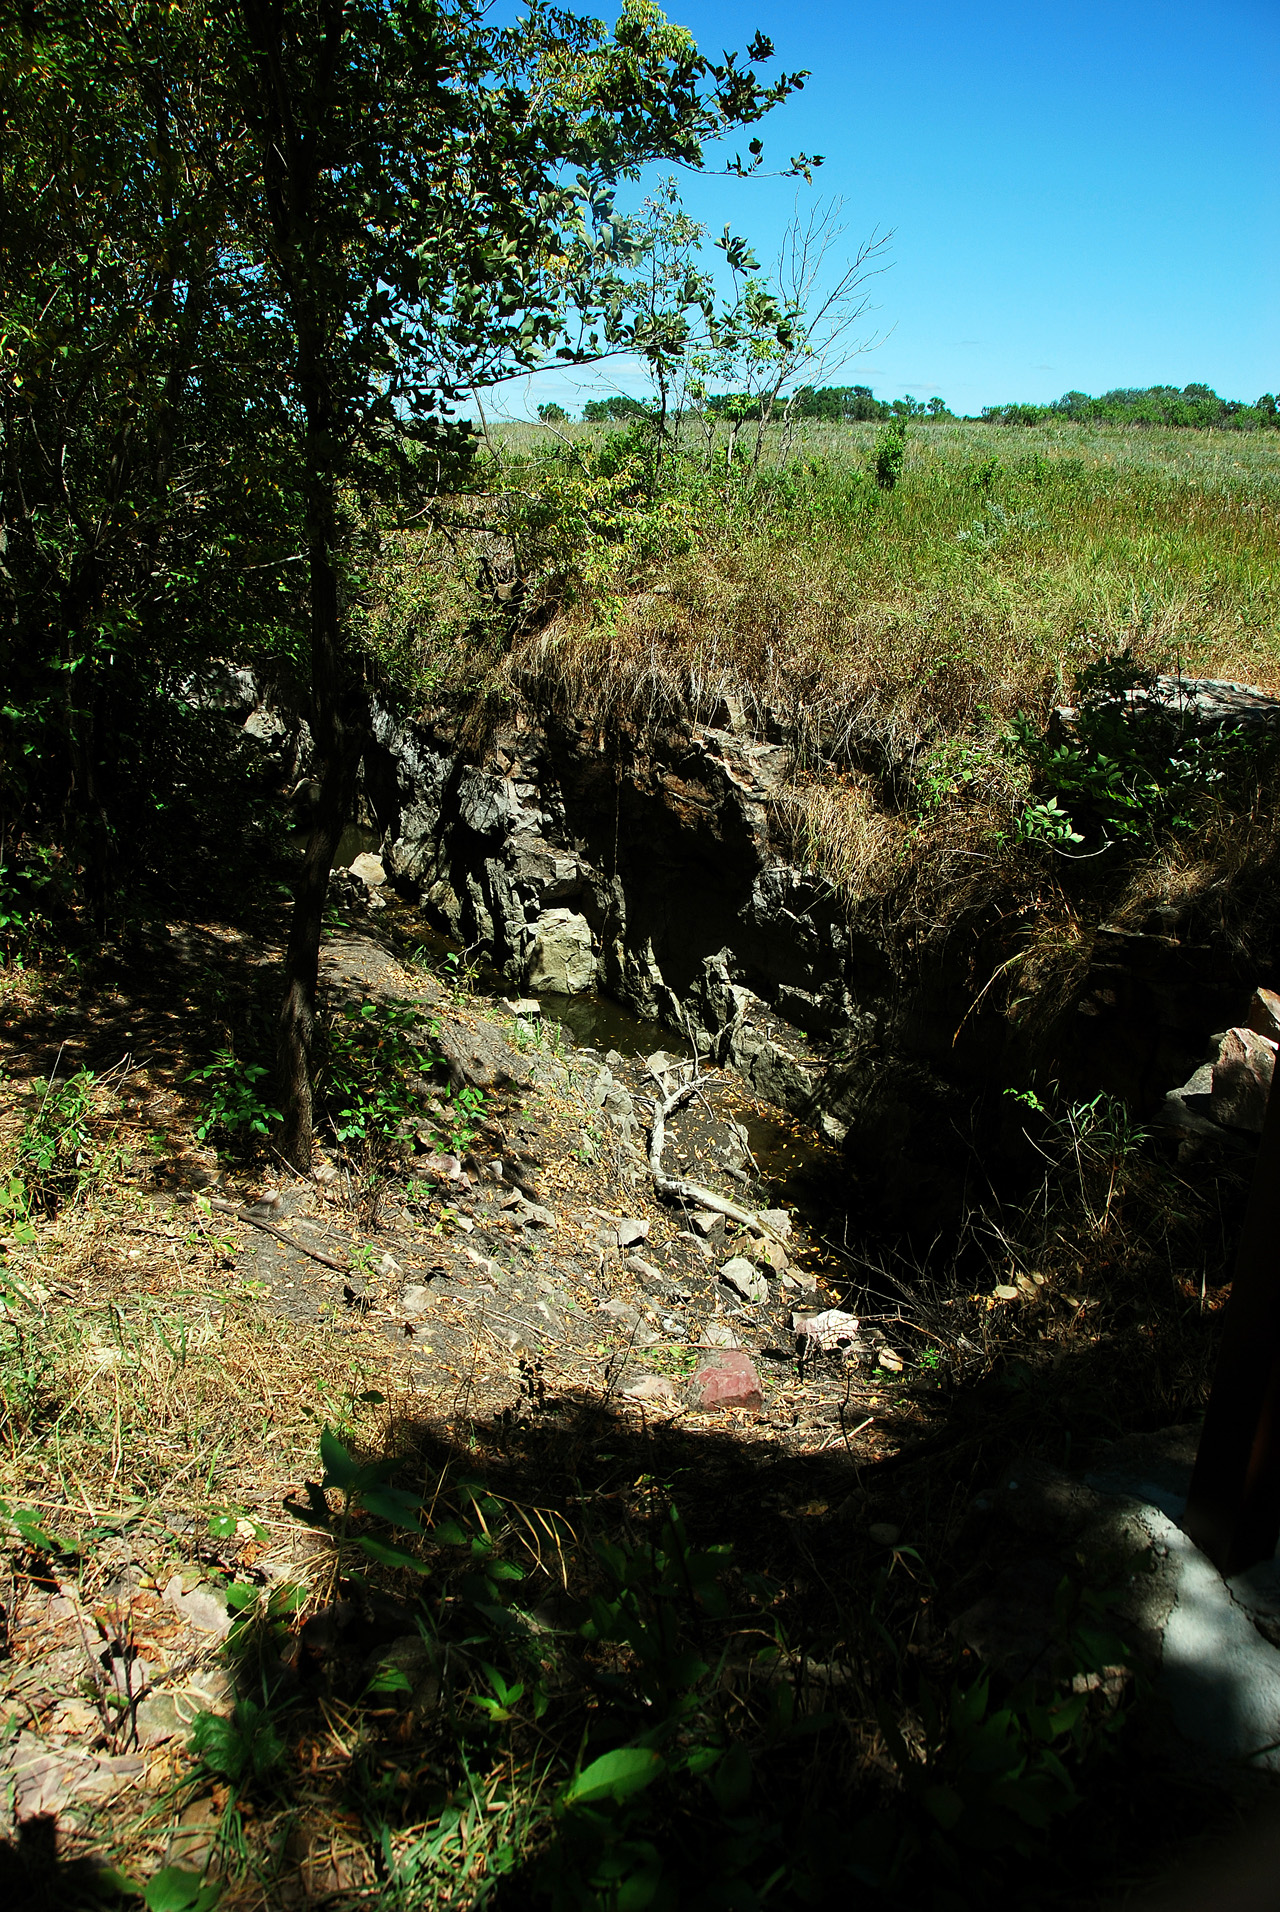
<point x="1004" y="561"/>
<point x="888" y="637"/>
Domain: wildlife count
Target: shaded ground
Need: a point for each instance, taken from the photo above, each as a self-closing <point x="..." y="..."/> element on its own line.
<point x="170" y="1365"/>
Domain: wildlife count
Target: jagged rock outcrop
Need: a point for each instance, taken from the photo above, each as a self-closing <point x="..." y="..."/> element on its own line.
<point x="654" y="877"/>
<point x="1195" y="703"/>
<point x="653" y="867"/>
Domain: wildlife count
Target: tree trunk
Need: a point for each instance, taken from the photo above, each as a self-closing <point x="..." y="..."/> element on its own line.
<point x="339" y="741"/>
<point x="288" y="112"/>
<point x="302" y="960"/>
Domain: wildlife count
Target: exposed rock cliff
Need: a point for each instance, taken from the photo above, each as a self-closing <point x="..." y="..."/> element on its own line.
<point x="656" y="868"/>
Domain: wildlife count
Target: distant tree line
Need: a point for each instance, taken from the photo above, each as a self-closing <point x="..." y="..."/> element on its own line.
<point x="1195" y="405"/>
<point x="831" y="404"/>
<point x="858" y="403"/>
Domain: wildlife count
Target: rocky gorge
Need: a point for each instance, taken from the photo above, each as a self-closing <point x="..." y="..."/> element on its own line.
<point x="657" y="867"/>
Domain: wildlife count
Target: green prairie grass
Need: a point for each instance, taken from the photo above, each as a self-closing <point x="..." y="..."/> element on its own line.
<point x="890" y="636"/>
<point x="1003" y="561"/>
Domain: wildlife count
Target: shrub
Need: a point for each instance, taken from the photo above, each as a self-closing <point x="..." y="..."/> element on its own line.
<point x="890" y="446"/>
<point x="1127" y="766"/>
<point x="235" y="1109"/>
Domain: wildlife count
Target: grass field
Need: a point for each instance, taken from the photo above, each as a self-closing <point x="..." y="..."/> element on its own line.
<point x="892" y="636"/>
<point x="1003" y="561"/>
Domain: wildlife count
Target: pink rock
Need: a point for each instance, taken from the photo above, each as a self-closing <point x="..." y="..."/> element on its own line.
<point x="1242" y="1080"/>
<point x="726" y="1378"/>
<point x="1264" y="1014"/>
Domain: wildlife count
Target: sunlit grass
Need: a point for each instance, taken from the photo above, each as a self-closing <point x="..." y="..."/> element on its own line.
<point x="1004" y="560"/>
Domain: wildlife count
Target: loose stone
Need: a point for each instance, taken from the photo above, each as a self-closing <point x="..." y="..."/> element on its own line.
<point x="726" y="1379"/>
<point x="744" y="1280"/>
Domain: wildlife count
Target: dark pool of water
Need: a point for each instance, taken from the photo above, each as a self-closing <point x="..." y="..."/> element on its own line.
<point x="598" y="1022"/>
<point x="355" y="841"/>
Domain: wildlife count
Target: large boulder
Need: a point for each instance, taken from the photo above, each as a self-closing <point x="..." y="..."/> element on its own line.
<point x="561" y="958"/>
<point x="1242" y="1080"/>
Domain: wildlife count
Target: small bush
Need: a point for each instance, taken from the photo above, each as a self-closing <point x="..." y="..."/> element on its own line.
<point x="1127" y="768"/>
<point x="56" y="1152"/>
<point x="236" y="1109"/>
<point x="371" y="1078"/>
<point x="890" y="446"/>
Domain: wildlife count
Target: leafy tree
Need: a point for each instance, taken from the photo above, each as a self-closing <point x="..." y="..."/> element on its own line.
<point x="251" y="262"/>
<point x="429" y="200"/>
<point x="614" y="410"/>
<point x="143" y="502"/>
<point x="553" y="414"/>
<point x="840" y="404"/>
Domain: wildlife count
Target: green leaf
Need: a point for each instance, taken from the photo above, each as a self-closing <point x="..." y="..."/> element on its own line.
<point x="390" y="1679"/>
<point x="388" y="1556"/>
<point x="340" y="1470"/>
<point x="33" y="1532"/>
<point x="616" y="1775"/>
<point x="394" y="1505"/>
<point x="944" y="1804"/>
<point x="731" y="1780"/>
<point x="173" y="1890"/>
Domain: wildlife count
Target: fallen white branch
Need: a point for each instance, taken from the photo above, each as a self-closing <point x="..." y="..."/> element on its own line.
<point x="675" y="1188"/>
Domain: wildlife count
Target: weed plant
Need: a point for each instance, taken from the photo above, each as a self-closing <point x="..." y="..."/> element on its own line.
<point x="235" y="1108"/>
<point x="377" y="1059"/>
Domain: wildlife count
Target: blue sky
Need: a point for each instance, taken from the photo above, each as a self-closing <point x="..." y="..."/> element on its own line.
<point x="1082" y="195"/>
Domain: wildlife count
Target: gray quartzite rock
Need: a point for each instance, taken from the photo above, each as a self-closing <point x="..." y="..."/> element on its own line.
<point x="1198" y="703"/>
<point x="652" y="1388"/>
<point x="536" y="1214"/>
<point x="645" y="1269"/>
<point x="478" y="1058"/>
<point x="1242" y="1080"/>
<point x="47" y="1780"/>
<point x="562" y="956"/>
<point x="201" y="1607"/>
<point x="738" y="1274"/>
